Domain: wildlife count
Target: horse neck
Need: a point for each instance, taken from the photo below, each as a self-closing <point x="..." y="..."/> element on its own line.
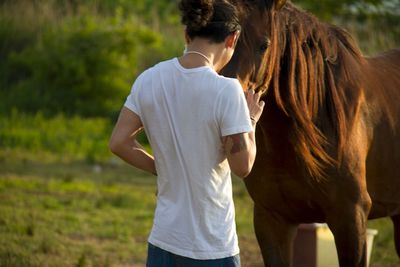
<point x="316" y="79"/>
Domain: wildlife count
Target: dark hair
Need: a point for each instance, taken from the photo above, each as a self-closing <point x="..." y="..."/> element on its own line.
<point x="212" y="19"/>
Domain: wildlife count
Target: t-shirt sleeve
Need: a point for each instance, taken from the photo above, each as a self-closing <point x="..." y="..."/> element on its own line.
<point x="232" y="111"/>
<point x="132" y="101"/>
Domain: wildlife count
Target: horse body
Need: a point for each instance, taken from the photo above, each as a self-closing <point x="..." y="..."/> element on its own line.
<point x="366" y="185"/>
<point x="328" y="142"/>
<point x="383" y="174"/>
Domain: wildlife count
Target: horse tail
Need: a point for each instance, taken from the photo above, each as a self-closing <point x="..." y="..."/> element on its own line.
<point x="396" y="226"/>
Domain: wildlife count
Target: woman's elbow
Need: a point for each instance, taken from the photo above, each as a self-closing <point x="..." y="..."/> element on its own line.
<point x="242" y="175"/>
<point x="114" y="146"/>
<point x="242" y="171"/>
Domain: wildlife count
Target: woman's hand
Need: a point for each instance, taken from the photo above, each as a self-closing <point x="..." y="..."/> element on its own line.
<point x="256" y="106"/>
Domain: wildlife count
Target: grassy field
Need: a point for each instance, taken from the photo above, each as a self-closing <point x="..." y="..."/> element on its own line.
<point x="80" y="214"/>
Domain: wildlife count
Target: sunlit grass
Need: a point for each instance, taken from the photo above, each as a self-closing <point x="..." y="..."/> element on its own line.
<point x="53" y="221"/>
<point x="61" y="209"/>
<point x="71" y="214"/>
<point x="63" y="137"/>
<point x="383" y="253"/>
<point x="60" y="214"/>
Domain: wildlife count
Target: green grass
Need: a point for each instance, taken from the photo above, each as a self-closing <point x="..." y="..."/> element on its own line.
<point x="64" y="138"/>
<point x="77" y="214"/>
<point x="383" y="253"/>
<point x="80" y="214"/>
<point x="74" y="215"/>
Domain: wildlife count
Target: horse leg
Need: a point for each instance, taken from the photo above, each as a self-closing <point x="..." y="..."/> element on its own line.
<point x="275" y="237"/>
<point x="396" y="226"/>
<point x="349" y="226"/>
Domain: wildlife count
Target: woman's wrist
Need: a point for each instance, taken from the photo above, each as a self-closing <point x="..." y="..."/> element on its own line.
<point x="253" y="122"/>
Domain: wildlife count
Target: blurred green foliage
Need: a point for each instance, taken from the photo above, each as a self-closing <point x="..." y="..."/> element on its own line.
<point x="82" y="67"/>
<point x="65" y="138"/>
<point x="76" y="59"/>
<point x="65" y="60"/>
<point x="375" y="24"/>
<point x="329" y="9"/>
<point x="81" y="57"/>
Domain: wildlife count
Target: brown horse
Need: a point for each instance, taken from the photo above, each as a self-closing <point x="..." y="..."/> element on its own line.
<point x="328" y="141"/>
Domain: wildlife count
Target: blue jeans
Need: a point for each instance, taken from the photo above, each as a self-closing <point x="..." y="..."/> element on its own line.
<point x="158" y="257"/>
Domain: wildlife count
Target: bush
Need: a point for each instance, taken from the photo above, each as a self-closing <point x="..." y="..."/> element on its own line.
<point x="85" y="66"/>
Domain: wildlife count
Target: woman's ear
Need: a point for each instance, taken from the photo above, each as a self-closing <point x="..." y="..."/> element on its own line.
<point x="232" y="39"/>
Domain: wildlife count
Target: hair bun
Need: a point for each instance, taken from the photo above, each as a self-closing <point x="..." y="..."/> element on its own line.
<point x="196" y="14"/>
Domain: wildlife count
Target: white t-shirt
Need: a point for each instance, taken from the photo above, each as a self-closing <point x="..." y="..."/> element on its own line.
<point x="185" y="112"/>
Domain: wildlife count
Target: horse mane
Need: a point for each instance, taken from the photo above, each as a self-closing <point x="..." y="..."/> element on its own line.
<point x="313" y="70"/>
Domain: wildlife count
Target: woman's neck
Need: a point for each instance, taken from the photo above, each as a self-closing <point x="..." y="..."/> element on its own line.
<point x="201" y="52"/>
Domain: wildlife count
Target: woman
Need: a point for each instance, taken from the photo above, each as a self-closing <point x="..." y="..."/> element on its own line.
<point x="200" y="128"/>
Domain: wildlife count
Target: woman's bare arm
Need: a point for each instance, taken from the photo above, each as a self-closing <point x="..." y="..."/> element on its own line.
<point x="123" y="142"/>
<point x="240" y="149"/>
